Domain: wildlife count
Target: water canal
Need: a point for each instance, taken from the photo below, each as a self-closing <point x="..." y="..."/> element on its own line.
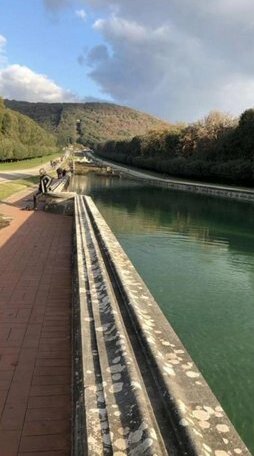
<point x="196" y="254"/>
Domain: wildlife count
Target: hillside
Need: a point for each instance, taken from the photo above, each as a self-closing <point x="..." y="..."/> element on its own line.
<point x="88" y="123"/>
<point x="21" y="137"/>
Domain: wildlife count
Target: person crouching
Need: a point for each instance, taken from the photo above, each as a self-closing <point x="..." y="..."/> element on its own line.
<point x="44" y="186"/>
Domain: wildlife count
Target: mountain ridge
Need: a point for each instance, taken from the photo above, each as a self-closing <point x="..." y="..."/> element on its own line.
<point x="98" y="121"/>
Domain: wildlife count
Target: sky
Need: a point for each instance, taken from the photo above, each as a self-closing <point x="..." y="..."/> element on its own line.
<point x="175" y="59"/>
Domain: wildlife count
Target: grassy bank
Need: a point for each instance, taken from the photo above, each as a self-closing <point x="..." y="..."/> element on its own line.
<point x="26" y="164"/>
<point x="9" y="188"/>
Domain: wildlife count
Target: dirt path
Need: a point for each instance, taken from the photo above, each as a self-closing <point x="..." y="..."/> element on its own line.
<point x="6" y="176"/>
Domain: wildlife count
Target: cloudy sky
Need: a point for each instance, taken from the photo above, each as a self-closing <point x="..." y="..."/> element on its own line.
<point x="177" y="59"/>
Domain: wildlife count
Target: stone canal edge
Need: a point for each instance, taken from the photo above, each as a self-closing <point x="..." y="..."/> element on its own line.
<point x="120" y="381"/>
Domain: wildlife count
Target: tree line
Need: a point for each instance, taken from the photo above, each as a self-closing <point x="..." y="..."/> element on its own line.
<point x="21" y="137"/>
<point x="218" y="148"/>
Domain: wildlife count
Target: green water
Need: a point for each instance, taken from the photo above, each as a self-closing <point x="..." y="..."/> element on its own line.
<point x="196" y="254"/>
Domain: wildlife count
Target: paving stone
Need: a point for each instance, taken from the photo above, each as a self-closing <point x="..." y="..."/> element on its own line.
<point x="35" y="344"/>
<point x="46" y="427"/>
<point x="44" y="442"/>
<point x="9" y="443"/>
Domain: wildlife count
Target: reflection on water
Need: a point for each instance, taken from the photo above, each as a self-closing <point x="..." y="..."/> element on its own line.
<point x="196" y="254"/>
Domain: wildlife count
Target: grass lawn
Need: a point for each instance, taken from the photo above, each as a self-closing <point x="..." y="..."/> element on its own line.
<point x="9" y="188"/>
<point x="25" y="164"/>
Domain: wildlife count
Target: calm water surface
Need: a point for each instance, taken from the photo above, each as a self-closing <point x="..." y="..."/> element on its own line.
<point x="196" y="254"/>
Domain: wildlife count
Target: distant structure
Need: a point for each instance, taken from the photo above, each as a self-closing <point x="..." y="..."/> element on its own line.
<point x="78" y="128"/>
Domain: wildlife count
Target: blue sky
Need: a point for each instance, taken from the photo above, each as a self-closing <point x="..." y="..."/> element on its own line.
<point x="49" y="42"/>
<point x="176" y="59"/>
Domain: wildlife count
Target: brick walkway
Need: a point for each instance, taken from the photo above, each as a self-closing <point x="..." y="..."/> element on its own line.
<point x="35" y="346"/>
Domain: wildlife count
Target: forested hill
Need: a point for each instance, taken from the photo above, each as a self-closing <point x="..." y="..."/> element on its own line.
<point x="21" y="137"/>
<point x="88" y="123"/>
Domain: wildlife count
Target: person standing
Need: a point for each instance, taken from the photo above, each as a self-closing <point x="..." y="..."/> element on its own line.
<point x="59" y="172"/>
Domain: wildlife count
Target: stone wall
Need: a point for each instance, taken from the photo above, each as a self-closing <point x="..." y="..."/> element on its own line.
<point x="137" y="390"/>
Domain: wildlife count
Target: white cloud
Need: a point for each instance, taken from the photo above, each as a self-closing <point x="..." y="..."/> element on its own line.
<point x="120" y="29"/>
<point x="81" y="14"/>
<point x="21" y="83"/>
<point x="178" y="59"/>
<point x="54" y="5"/>
<point x="3" y="42"/>
<point x="146" y="63"/>
<point x="235" y="10"/>
<point x="237" y="93"/>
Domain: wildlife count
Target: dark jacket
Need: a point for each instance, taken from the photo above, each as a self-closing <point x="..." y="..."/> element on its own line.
<point x="44" y="184"/>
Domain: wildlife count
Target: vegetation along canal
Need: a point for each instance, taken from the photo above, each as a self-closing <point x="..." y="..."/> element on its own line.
<point x="196" y="254"/>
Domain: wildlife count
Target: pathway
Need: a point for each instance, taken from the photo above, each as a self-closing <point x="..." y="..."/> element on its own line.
<point x="11" y="175"/>
<point x="35" y="348"/>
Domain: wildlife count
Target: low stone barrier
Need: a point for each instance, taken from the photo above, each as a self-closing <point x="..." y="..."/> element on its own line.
<point x="136" y="389"/>
<point x="58" y="200"/>
<point x="221" y="191"/>
<point x="60" y="184"/>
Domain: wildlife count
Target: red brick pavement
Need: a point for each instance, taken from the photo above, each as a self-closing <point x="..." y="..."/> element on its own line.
<point x="35" y="346"/>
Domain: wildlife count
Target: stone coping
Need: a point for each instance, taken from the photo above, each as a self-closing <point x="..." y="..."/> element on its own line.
<point x="142" y="393"/>
<point x="61" y="184"/>
<point x="217" y="190"/>
<point x="59" y="200"/>
<point x="222" y="192"/>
